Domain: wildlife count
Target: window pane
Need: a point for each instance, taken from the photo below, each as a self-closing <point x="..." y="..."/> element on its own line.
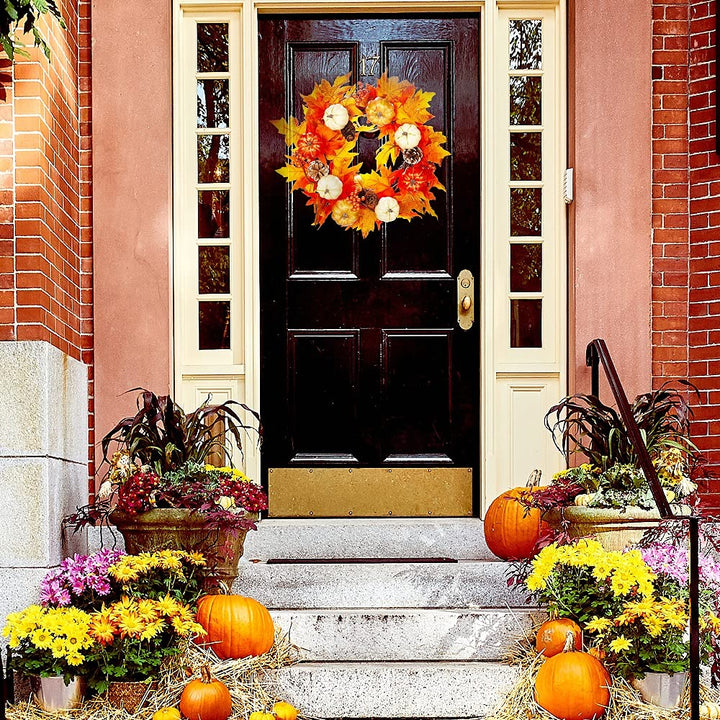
<point x="526" y="267"/>
<point x="525" y="323"/>
<point x="525" y="44"/>
<point x="525" y="212"/>
<point x="525" y="156"/>
<point x="213" y="269"/>
<point x="213" y="158"/>
<point x="213" y="108"/>
<point x="525" y="100"/>
<point x="214" y="214"/>
<point x="214" y="325"/>
<point x="212" y="47"/>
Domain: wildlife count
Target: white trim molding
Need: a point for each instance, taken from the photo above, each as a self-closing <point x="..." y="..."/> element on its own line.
<point x="517" y="383"/>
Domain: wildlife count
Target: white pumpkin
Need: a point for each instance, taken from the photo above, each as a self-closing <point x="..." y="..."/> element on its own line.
<point x="387" y="209"/>
<point x="407" y="136"/>
<point x="584" y="499"/>
<point x="710" y="710"/>
<point x="336" y="116"/>
<point x="329" y="187"/>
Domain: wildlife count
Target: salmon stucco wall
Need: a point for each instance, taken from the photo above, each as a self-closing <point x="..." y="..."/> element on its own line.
<point x="132" y="134"/>
<point x="609" y="221"/>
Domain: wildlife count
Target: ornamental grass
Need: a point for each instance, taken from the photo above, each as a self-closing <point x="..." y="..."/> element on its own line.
<point x="251" y="682"/>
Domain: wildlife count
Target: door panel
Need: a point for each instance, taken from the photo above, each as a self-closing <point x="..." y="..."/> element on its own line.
<point x="363" y="363"/>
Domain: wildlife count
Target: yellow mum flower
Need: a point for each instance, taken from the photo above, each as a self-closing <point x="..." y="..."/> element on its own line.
<point x="535" y="582"/>
<point x="41" y="639"/>
<point x="619" y="644"/>
<point x="124" y="573"/>
<point x="167" y="606"/>
<point x="130" y="624"/>
<point x="59" y="648"/>
<point x="74" y="658"/>
<point x="195" y="558"/>
<point x="152" y="629"/>
<point x="147" y="610"/>
<point x="598" y="625"/>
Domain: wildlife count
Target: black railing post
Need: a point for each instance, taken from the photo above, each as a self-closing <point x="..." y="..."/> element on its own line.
<point x="593" y="362"/>
<point x="9" y="678"/>
<point x="596" y="353"/>
<point x="694" y="527"/>
<point x="3" y="689"/>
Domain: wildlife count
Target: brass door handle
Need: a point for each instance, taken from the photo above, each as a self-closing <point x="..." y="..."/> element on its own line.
<point x="465" y="294"/>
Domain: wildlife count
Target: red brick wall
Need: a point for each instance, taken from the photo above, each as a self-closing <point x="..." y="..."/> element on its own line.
<point x="686" y="212"/>
<point x="46" y="288"/>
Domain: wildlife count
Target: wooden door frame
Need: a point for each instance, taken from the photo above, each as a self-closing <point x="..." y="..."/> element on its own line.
<point x="533" y="375"/>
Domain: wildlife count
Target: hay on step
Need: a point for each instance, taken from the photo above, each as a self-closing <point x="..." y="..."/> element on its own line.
<point x="250" y="681"/>
<point x="625" y="702"/>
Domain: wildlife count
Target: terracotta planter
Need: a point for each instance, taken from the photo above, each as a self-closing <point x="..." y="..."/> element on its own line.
<point x="128" y="695"/>
<point x="614" y="529"/>
<point x="170" y="528"/>
<point x="53" y="695"/>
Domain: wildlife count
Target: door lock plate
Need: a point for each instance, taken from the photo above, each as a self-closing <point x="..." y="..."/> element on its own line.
<point x="465" y="299"/>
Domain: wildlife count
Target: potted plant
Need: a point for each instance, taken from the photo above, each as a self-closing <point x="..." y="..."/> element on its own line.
<point x="607" y="492"/>
<point x="632" y="607"/>
<point x="135" y="636"/>
<point x="160" y="491"/>
<point x="54" y="648"/>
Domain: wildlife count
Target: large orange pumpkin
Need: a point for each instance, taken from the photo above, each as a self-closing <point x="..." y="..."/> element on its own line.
<point x="573" y="685"/>
<point x="206" y="698"/>
<point x="236" y="626"/>
<point x="552" y="635"/>
<point x="511" y="530"/>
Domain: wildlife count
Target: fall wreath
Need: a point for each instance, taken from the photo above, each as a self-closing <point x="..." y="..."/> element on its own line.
<point x="322" y="159"/>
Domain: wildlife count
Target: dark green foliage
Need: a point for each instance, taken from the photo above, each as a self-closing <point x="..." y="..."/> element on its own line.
<point x="582" y="423"/>
<point x="22" y="15"/>
<point x="164" y="437"/>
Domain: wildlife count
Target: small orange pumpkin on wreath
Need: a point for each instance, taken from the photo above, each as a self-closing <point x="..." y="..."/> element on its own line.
<point x="323" y="152"/>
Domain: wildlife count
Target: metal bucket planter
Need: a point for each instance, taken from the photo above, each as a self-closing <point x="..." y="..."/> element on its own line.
<point x="614" y="529"/>
<point x="661" y="689"/>
<point x="53" y="695"/>
<point x="177" y="529"/>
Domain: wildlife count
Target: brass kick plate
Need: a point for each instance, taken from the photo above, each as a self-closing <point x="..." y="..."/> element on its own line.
<point x="370" y="492"/>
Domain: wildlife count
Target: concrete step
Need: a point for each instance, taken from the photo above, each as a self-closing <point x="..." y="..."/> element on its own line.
<point x="404" y="635"/>
<point x="396" y="690"/>
<point x="465" y="584"/>
<point x="459" y="538"/>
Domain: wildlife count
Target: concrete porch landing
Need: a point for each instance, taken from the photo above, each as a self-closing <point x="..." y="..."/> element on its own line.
<point x="387" y="640"/>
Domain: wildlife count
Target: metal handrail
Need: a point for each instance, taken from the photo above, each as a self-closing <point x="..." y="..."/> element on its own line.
<point x="597" y="353"/>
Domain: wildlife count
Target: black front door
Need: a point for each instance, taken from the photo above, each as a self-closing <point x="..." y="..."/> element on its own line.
<point x="364" y="366"/>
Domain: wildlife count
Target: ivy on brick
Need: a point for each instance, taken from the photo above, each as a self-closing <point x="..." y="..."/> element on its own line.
<point x="23" y="14"/>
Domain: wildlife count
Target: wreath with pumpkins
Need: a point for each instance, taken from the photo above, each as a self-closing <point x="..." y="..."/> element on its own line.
<point x="322" y="160"/>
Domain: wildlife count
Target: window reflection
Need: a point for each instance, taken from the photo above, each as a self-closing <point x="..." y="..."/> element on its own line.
<point x="212" y="47"/>
<point x="525" y="100"/>
<point x="213" y="158"/>
<point x="213" y="107"/>
<point x="526" y="323"/>
<point x="525" y="212"/>
<point x="214" y="214"/>
<point x="525" y="156"/>
<point x="525" y="267"/>
<point x="526" y="44"/>
<point x="213" y="269"/>
<point x="214" y="325"/>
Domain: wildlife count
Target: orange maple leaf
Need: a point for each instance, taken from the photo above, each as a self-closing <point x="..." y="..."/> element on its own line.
<point x="415" y="108"/>
<point x="323" y="95"/>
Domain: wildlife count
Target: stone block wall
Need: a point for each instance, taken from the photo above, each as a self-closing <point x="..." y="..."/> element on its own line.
<point x="43" y="462"/>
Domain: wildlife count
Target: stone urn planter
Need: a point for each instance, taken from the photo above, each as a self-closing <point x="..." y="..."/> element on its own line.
<point x="614" y="529"/>
<point x="181" y="529"/>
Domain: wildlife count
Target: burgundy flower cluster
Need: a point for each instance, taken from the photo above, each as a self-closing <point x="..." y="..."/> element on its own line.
<point x="246" y="494"/>
<point x="137" y="493"/>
